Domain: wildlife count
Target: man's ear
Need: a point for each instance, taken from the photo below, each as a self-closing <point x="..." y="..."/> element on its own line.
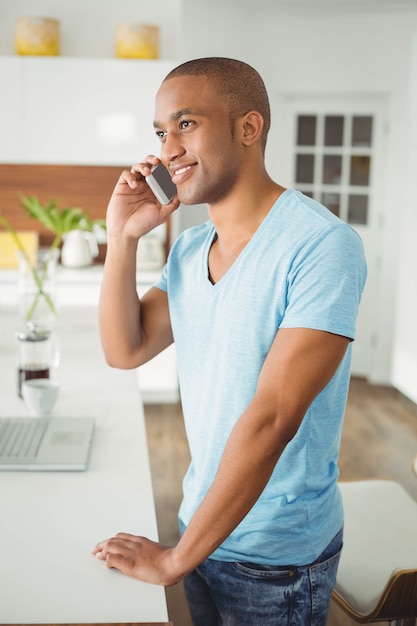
<point x="251" y="127"/>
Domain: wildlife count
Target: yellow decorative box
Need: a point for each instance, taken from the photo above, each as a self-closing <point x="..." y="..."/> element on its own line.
<point x="9" y="249"/>
<point x="137" y="41"/>
<point x="37" y="36"/>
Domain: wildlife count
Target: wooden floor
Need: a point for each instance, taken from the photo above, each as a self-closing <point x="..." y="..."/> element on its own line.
<point x="379" y="440"/>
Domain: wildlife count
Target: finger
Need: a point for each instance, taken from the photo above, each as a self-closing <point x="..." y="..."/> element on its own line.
<point x="131" y="178"/>
<point x="144" y="167"/>
<point x="174" y="204"/>
<point x="102" y="549"/>
<point x="122" y="543"/>
<point x="120" y="561"/>
<point x="168" y="209"/>
<point x="129" y="537"/>
<point x="136" y="174"/>
<point x="98" y="548"/>
<point x="150" y="160"/>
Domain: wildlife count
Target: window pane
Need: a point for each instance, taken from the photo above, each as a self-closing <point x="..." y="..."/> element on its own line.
<point x="333" y="130"/>
<point x="362" y="131"/>
<point x="359" y="170"/>
<point x="306" y="131"/>
<point x="332" y="202"/>
<point x="304" y="168"/>
<point x="332" y="169"/>
<point x="358" y="209"/>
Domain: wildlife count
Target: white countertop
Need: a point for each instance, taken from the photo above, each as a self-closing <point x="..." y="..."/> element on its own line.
<point x="50" y="520"/>
<point x="89" y="274"/>
<point x="80" y="286"/>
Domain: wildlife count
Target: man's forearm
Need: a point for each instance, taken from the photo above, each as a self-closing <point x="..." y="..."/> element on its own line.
<point x="243" y="473"/>
<point x="119" y="306"/>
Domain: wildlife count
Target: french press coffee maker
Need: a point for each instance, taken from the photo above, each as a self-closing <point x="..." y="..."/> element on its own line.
<point x="35" y="356"/>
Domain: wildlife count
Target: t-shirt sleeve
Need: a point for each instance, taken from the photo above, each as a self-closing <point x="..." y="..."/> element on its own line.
<point x="162" y="282"/>
<point x="325" y="283"/>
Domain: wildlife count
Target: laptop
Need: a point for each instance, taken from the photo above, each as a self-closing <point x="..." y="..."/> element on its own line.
<point x="45" y="443"/>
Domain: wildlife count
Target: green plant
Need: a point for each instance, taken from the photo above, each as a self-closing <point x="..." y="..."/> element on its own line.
<point x="59" y="222"/>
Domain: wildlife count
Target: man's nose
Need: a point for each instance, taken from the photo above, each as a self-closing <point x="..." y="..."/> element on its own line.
<point x="172" y="148"/>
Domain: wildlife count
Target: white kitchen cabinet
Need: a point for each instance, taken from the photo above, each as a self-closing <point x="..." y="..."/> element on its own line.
<point x="62" y="110"/>
<point x="11" y="110"/>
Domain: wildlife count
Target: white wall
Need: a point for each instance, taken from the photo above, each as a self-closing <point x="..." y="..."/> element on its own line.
<point x="404" y="362"/>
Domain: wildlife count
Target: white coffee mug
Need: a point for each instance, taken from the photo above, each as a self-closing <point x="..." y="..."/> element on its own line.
<point x="40" y="395"/>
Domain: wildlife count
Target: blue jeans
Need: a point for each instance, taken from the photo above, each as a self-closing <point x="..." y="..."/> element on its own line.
<point x="237" y="594"/>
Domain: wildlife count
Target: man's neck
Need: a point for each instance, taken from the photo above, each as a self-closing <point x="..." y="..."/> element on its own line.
<point x="235" y="224"/>
<point x="238" y="216"/>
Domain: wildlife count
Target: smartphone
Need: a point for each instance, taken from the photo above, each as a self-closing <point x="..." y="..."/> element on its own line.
<point x="159" y="180"/>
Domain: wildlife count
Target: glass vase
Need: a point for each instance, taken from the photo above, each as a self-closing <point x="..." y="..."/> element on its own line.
<point x="37" y="288"/>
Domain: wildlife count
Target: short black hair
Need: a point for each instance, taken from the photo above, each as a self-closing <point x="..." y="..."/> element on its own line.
<point x="238" y="83"/>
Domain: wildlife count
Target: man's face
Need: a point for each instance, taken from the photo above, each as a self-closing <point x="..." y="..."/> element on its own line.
<point x="197" y="140"/>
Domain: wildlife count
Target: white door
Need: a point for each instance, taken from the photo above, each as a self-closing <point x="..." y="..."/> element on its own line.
<point x="331" y="148"/>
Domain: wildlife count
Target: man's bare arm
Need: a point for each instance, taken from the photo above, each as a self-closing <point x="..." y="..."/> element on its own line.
<point x="132" y="331"/>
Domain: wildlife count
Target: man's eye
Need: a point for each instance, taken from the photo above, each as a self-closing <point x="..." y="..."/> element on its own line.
<point x="161" y="134"/>
<point x="185" y="124"/>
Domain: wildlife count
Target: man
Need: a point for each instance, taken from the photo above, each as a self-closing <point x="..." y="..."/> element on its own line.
<point x="261" y="302"/>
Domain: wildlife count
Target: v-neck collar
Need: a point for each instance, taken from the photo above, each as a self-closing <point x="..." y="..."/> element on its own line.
<point x="211" y="238"/>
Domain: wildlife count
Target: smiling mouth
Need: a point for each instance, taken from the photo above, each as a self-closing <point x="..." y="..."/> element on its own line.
<point x="181" y="173"/>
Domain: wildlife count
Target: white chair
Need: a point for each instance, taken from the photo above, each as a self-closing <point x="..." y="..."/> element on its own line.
<point x="377" y="576"/>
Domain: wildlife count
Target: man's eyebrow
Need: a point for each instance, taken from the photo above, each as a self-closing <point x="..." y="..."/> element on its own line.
<point x="177" y="115"/>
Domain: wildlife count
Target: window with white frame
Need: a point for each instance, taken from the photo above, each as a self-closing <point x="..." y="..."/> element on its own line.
<point x="333" y="162"/>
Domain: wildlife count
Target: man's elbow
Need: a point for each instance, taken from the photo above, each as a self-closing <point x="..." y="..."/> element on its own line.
<point x="286" y="423"/>
<point x="121" y="361"/>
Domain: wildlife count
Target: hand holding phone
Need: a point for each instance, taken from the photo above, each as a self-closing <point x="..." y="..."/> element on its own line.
<point x="159" y="180"/>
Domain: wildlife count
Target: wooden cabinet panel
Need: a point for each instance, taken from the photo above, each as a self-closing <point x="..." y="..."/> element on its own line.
<point x="88" y="187"/>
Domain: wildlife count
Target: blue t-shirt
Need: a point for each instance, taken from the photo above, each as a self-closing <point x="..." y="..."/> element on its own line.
<point x="303" y="267"/>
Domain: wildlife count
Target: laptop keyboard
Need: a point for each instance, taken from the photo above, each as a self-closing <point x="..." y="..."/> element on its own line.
<point x="20" y="438"/>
